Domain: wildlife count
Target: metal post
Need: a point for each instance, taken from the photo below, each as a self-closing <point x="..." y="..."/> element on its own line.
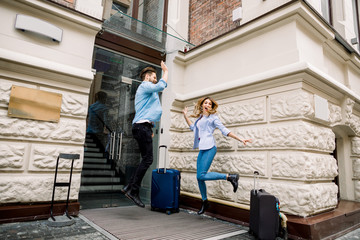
<point x="53" y="193"/>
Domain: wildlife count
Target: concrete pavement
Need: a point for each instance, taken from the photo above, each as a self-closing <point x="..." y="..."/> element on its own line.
<point x="84" y="229"/>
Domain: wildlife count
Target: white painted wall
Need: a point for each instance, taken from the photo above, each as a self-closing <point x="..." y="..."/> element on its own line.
<point x="343" y="19"/>
<point x="265" y="76"/>
<point x="256" y="8"/>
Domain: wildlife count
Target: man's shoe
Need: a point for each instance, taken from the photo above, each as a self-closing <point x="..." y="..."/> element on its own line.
<point x="125" y="189"/>
<point x="135" y="198"/>
<point x="233" y="179"/>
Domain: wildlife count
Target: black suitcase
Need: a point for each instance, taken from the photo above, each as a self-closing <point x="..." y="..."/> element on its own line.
<point x="264" y="214"/>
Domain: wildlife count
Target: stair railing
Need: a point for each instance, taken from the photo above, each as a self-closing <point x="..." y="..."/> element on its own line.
<point x="115" y="147"/>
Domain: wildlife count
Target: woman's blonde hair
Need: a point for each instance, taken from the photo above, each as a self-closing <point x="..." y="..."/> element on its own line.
<point x="198" y="107"/>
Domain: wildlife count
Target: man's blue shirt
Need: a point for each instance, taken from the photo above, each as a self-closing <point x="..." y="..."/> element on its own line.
<point x="147" y="102"/>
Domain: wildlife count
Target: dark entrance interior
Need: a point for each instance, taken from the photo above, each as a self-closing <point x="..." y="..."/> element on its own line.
<point x="110" y="153"/>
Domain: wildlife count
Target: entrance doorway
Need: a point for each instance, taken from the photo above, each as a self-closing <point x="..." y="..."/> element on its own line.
<point x="111" y="155"/>
<point x="336" y="179"/>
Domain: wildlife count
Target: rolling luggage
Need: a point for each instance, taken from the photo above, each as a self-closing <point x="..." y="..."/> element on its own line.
<point x="165" y="188"/>
<point x="264" y="213"/>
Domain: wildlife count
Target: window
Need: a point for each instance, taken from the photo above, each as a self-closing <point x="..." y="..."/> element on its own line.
<point x="331" y="8"/>
<point x="152" y="12"/>
<point x="326" y="10"/>
<point x="356" y="13"/>
<point x="117" y="6"/>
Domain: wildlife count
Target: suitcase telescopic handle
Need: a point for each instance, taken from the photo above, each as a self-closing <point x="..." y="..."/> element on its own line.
<point x="256" y="173"/>
<point x="162" y="146"/>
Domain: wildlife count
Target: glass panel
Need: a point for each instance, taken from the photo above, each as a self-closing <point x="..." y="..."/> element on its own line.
<point x="118" y="7"/>
<point x="118" y="76"/>
<point x="325" y="9"/>
<point x="356" y="39"/>
<point x="151" y="12"/>
<point x="126" y="26"/>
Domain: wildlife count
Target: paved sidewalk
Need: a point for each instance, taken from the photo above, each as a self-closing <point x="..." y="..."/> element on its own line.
<point x="84" y="229"/>
<point x="40" y="230"/>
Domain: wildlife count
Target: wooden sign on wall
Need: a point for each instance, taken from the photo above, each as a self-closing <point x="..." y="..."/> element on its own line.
<point x="34" y="104"/>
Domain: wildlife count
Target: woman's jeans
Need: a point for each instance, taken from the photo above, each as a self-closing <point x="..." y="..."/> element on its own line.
<point x="203" y="164"/>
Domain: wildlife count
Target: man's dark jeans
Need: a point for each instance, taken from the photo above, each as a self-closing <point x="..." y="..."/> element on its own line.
<point x="142" y="132"/>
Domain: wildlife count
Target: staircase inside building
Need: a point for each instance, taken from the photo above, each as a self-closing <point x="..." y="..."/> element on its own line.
<point x="97" y="175"/>
<point x="99" y="180"/>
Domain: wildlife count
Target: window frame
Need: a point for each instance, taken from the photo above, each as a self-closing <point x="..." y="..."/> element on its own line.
<point x="357" y="21"/>
<point x="329" y="13"/>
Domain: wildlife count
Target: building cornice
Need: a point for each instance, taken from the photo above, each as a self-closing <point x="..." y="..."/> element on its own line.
<point x="63" y="12"/>
<point x="290" y="71"/>
<point x="47" y="72"/>
<point x="296" y="11"/>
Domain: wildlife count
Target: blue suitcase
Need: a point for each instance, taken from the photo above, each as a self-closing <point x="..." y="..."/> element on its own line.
<point x="165" y="188"/>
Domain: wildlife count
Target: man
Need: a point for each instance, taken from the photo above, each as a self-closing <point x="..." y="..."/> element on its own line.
<point x="147" y="112"/>
<point x="97" y="119"/>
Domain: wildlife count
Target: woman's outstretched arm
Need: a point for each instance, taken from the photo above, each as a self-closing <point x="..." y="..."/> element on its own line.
<point x="186" y="117"/>
<point x="244" y="141"/>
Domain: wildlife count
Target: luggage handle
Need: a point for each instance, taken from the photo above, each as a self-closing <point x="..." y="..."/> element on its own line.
<point x="158" y="170"/>
<point x="256" y="173"/>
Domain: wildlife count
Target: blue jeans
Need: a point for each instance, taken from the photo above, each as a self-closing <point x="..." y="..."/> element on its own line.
<point x="203" y="164"/>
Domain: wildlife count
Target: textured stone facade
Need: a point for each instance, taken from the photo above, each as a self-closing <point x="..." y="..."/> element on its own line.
<point x="281" y="79"/>
<point x="29" y="148"/>
<point x="290" y="150"/>
<point x="355" y="156"/>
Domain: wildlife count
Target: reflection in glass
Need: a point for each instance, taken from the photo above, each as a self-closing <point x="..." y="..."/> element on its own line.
<point x="145" y="30"/>
<point x="117" y="76"/>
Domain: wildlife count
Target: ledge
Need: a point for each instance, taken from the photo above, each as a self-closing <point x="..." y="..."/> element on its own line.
<point x="329" y="225"/>
<point x="274" y="74"/>
<point x="66" y="13"/>
<point x="36" y="211"/>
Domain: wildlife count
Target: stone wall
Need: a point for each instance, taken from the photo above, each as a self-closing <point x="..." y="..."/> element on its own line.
<point x="281" y="80"/>
<point x="29" y="148"/>
<point x="355" y="156"/>
<point x="291" y="150"/>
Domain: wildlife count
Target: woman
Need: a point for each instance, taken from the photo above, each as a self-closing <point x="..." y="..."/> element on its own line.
<point x="204" y="127"/>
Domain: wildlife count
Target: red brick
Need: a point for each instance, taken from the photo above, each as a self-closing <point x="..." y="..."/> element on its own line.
<point x="210" y="18"/>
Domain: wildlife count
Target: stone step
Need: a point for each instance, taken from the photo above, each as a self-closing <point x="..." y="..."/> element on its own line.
<point x="88" y="144"/>
<point x="95" y="160"/>
<point x="96" y="166"/>
<point x="89" y="139"/>
<point x="93" y="154"/>
<point x="92" y="149"/>
<point x="99" y="180"/>
<point x="98" y="173"/>
<point x="100" y="188"/>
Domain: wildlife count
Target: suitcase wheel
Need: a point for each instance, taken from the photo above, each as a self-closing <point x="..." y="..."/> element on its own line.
<point x="168" y="212"/>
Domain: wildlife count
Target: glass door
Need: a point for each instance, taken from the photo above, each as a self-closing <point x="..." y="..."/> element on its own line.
<point x="112" y="155"/>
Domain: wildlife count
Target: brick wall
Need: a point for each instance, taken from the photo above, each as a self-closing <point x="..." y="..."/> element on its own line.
<point x="210" y="18"/>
